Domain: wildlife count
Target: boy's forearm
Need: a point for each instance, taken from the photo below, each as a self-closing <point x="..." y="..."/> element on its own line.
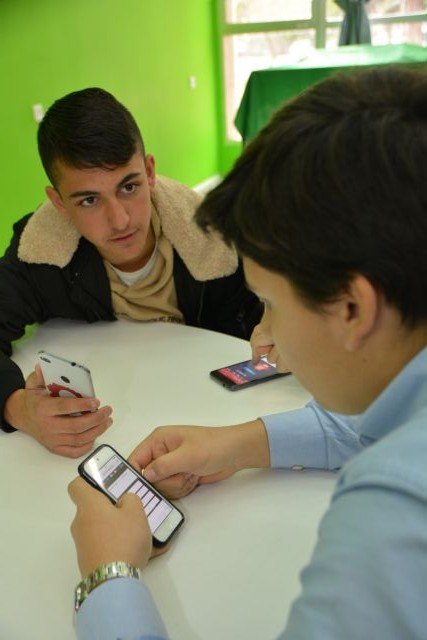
<point x="250" y="443"/>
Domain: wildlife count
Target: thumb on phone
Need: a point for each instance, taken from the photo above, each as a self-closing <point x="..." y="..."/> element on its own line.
<point x="39" y="376"/>
<point x="130" y="503"/>
<point x="35" y="380"/>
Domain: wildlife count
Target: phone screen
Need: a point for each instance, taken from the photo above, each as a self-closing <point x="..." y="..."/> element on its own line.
<point x="117" y="478"/>
<point x="109" y="472"/>
<point x="244" y="372"/>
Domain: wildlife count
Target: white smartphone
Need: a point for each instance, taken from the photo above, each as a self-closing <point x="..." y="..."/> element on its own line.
<point x="108" y="471"/>
<point x="64" y="378"/>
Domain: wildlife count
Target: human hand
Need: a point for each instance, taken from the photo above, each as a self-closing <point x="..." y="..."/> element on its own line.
<point x="262" y="345"/>
<point x="104" y="532"/>
<point x="178" y="458"/>
<point x="48" y="419"/>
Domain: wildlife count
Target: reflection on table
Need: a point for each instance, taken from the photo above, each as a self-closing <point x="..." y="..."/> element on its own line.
<point x="233" y="569"/>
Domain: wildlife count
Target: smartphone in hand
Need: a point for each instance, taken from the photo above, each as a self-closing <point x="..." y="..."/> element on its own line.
<point x="110" y="473"/>
<point x="64" y="378"/>
<point x="245" y="374"/>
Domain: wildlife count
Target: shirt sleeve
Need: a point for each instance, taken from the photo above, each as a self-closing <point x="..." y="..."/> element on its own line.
<point x="311" y="437"/>
<point x="367" y="575"/>
<point x="119" y="608"/>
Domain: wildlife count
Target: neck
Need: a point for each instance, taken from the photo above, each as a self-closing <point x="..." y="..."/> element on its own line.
<point x="389" y="356"/>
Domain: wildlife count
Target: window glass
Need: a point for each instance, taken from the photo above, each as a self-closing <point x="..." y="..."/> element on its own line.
<point x="333" y="10"/>
<point x="399" y="33"/>
<point x="251" y="51"/>
<point x="332" y="37"/>
<point x="381" y="8"/>
<point x="267" y="10"/>
<point x="247" y="52"/>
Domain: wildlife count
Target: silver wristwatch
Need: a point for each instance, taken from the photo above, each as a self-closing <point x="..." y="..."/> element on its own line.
<point x="101" y="574"/>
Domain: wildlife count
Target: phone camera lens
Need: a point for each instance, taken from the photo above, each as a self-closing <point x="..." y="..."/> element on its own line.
<point x="65" y="379"/>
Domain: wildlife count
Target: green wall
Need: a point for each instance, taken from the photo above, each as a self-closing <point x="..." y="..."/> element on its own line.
<point x="143" y="51"/>
<point x="228" y="150"/>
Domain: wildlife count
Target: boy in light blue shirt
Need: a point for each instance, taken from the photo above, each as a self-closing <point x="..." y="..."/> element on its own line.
<point x="327" y="207"/>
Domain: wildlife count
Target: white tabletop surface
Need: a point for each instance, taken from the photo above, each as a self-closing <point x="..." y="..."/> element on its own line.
<point x="233" y="570"/>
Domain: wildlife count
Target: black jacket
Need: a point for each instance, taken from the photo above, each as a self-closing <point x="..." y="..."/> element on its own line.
<point x="34" y="293"/>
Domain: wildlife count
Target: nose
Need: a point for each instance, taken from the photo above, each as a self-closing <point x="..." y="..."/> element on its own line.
<point x="118" y="217"/>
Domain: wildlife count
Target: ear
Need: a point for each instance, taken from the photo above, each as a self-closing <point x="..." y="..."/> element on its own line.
<point x="150" y="168"/>
<point x="56" y="200"/>
<point x="360" y="309"/>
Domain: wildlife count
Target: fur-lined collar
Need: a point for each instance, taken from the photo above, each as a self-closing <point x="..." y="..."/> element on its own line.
<point x="49" y="238"/>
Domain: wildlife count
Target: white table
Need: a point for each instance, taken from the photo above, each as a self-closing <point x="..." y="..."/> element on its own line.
<point x="233" y="570"/>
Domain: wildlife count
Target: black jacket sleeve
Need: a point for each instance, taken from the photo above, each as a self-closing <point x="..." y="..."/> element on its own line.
<point x="20" y="306"/>
<point x="34" y="293"/>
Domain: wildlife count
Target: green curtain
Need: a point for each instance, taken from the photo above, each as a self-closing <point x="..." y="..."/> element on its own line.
<point x="355" y="27"/>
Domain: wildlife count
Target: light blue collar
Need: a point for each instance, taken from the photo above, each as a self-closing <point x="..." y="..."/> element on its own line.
<point x="405" y="396"/>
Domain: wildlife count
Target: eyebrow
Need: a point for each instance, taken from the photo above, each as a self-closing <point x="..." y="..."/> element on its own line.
<point x="129" y="176"/>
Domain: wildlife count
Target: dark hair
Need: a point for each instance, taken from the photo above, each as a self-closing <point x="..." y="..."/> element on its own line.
<point x="87" y="128"/>
<point x="336" y="185"/>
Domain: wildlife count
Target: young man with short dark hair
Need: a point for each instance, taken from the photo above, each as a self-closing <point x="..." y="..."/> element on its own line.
<point x="328" y="209"/>
<point x="111" y="241"/>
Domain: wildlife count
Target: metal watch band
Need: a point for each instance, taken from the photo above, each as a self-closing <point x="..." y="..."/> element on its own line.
<point x="101" y="574"/>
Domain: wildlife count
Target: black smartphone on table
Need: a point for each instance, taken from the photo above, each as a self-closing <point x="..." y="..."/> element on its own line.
<point x="106" y="470"/>
<point x="245" y="374"/>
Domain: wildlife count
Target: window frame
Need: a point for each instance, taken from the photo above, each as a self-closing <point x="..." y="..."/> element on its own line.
<point x="319" y="22"/>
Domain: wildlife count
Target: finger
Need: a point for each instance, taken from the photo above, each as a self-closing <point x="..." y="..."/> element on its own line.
<point x="80" y="491"/>
<point x="255" y="355"/>
<point x="39" y="376"/>
<point x="257" y="331"/>
<point x="86" y="497"/>
<point x="69" y="451"/>
<point x="35" y="379"/>
<point x="66" y="406"/>
<point x="94" y="420"/>
<point x="170" y="464"/>
<point x="159" y="551"/>
<point x="178" y="486"/>
<point x="80" y="424"/>
<point x="33" y="383"/>
<point x="131" y="502"/>
<point x="272" y="355"/>
<point x="83" y="439"/>
<point x="261" y="351"/>
<point x="215" y="477"/>
<point x="49" y="408"/>
<point x="142" y="455"/>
